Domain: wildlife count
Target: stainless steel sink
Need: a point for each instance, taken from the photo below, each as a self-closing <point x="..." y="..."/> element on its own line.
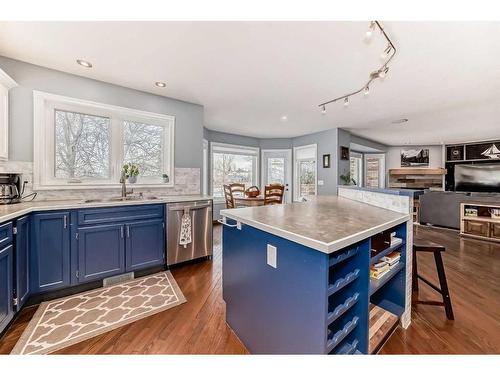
<point x="119" y="199"/>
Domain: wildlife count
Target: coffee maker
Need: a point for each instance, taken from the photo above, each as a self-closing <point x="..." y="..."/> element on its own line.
<point x="10" y="187"/>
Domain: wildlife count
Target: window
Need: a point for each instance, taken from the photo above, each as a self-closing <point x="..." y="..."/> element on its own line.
<point x="305" y="171"/>
<point x="143" y="145"/>
<point x="230" y="164"/>
<point x="375" y="170"/>
<point x="276" y="170"/>
<point x="82" y="144"/>
<point x="356" y="168"/>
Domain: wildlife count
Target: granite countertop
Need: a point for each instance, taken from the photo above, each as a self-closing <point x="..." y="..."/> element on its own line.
<point x="326" y="223"/>
<point x="12" y="211"/>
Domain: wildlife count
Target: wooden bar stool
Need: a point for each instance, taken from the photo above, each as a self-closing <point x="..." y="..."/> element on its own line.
<point x="436" y="249"/>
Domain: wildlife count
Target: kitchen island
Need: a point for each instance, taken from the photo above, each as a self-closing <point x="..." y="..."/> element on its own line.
<point x="296" y="276"/>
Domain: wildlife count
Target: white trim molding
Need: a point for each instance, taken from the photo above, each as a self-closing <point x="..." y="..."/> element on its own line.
<point x="6" y="83"/>
<point x="44" y="105"/>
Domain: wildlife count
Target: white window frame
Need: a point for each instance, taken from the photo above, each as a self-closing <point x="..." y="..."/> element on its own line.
<point x="44" y="105"/>
<point x="296" y="180"/>
<point x="204" y="178"/>
<point x="247" y="150"/>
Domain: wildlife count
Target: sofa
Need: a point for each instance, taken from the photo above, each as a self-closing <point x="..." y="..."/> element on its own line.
<point x="442" y="208"/>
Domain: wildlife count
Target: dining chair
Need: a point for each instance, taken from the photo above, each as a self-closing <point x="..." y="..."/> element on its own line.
<point x="237" y="188"/>
<point x="273" y="194"/>
<point x="228" y="195"/>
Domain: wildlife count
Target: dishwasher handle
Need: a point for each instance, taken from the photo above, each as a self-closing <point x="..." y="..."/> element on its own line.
<point x="193" y="207"/>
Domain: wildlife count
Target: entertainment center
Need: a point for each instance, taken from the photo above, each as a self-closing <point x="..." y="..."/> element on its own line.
<point x="472" y="178"/>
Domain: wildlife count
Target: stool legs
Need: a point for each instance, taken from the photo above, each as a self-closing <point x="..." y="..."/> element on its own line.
<point x="444" y="286"/>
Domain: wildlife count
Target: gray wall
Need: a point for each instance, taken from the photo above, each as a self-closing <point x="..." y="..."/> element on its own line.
<point x="327" y="142"/>
<point x="188" y="117"/>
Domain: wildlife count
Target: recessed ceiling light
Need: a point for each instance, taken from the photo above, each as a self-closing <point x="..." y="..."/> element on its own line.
<point x="160" y="84"/>
<point x="84" y="63"/>
<point x="400" y="121"/>
<point x="283" y="118"/>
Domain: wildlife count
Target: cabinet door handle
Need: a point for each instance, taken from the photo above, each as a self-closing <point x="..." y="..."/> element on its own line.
<point x="121" y="231"/>
<point x="65" y="219"/>
<point x="128" y="231"/>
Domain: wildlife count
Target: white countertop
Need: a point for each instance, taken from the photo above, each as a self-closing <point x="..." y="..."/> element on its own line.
<point x="12" y="211"/>
<point x="326" y="223"/>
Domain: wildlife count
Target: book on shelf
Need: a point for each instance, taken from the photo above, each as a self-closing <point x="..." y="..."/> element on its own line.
<point x="377" y="273"/>
<point x="396" y="241"/>
<point x="392" y="258"/>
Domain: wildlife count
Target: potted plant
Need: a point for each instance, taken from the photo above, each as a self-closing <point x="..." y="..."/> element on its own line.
<point x="347" y="179"/>
<point x="130" y="172"/>
<point x="165" y="178"/>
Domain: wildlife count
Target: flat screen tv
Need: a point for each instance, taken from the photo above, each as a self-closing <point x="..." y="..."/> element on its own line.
<point x="478" y="177"/>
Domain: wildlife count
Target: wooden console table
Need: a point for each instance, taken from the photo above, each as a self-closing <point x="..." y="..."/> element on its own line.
<point x="482" y="226"/>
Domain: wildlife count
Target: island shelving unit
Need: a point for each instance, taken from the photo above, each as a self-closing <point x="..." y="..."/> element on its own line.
<point x="319" y="299"/>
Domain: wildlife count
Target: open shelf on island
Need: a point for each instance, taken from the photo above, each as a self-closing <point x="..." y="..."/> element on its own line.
<point x="381" y="324"/>
<point x="396" y="243"/>
<point x="377" y="284"/>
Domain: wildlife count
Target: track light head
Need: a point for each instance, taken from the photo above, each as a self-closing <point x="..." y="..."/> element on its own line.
<point x="323" y="110"/>
<point x="369" y="32"/>
<point x="366" y="91"/>
<point x="346" y="101"/>
<point x="383" y="72"/>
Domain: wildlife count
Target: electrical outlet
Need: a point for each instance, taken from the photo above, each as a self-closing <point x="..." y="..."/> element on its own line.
<point x="321" y="182"/>
<point x="272" y="256"/>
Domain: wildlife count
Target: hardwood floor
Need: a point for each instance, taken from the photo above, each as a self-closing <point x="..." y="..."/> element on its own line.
<point x="198" y="326"/>
<point x="473" y="273"/>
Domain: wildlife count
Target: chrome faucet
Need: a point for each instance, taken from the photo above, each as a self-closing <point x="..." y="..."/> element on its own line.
<point x="124" y="187"/>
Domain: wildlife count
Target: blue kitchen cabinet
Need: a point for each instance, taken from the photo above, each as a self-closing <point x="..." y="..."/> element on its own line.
<point x="101" y="251"/>
<point x="145" y="244"/>
<point x="6" y="287"/>
<point x="21" y="260"/>
<point x="50" y="252"/>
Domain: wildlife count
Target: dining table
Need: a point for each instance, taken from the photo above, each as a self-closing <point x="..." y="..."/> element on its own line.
<point x="243" y="200"/>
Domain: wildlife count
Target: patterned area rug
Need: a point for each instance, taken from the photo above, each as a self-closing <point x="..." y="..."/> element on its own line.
<point x="69" y="320"/>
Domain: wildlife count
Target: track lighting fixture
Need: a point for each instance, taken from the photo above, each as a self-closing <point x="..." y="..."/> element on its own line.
<point x="369" y="32"/>
<point x="387" y="56"/>
<point x="386" y="53"/>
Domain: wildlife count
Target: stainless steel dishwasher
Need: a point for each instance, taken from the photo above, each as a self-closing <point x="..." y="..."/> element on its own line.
<point x="201" y="231"/>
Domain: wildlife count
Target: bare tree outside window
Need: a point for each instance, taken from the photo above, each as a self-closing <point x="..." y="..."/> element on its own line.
<point x="82" y="145"/>
<point x="276" y="171"/>
<point x="307" y="173"/>
<point x="143" y="146"/>
<point x="231" y="168"/>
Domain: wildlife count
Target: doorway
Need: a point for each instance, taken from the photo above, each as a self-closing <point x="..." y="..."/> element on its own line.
<point x="276" y="169"/>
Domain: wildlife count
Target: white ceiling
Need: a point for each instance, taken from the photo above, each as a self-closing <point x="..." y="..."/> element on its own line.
<point x="445" y="78"/>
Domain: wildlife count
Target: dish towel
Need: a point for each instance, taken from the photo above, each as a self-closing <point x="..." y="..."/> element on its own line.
<point x="185" y="237"/>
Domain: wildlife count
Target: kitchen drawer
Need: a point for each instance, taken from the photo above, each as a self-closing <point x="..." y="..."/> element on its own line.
<point x="5" y="234"/>
<point x="119" y="214"/>
<point x="495" y="230"/>
<point x="478" y="228"/>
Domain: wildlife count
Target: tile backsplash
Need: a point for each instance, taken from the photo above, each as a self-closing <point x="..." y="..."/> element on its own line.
<point x="187" y="182"/>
